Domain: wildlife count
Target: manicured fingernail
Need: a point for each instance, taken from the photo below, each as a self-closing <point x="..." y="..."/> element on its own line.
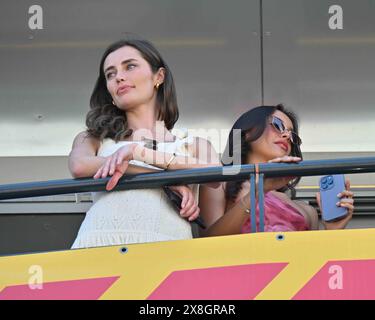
<point x="339" y="195"/>
<point x="338" y="204"/>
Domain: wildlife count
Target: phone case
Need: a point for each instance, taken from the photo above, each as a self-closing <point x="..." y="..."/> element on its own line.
<point x="330" y="187"/>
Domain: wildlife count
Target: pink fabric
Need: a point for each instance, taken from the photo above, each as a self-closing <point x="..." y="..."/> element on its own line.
<point x="278" y="216"/>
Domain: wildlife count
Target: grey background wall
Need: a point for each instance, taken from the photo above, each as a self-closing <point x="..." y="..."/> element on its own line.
<point x="226" y="57"/>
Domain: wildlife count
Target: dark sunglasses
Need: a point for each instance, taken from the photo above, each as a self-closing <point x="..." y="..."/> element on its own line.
<point x="278" y="124"/>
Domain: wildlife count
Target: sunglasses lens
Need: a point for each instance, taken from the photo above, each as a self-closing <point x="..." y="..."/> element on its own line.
<point x="278" y="124"/>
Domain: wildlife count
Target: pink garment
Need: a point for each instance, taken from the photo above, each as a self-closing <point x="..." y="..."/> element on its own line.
<point x="278" y="216"/>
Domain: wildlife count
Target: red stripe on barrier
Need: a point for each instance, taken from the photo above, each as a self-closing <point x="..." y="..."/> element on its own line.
<point x="86" y="289"/>
<point x="341" y="280"/>
<point x="234" y="282"/>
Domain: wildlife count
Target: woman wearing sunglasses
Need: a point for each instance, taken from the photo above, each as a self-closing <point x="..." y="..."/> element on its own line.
<point x="263" y="134"/>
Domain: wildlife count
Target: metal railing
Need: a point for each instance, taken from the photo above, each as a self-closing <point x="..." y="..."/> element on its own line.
<point x="196" y="176"/>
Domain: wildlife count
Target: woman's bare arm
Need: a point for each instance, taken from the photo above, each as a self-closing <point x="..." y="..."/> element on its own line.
<point x="310" y="214"/>
<point x="202" y="155"/>
<point x="84" y="162"/>
<point x="212" y="203"/>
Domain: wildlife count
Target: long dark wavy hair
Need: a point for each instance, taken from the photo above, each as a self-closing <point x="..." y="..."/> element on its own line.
<point x="248" y="128"/>
<point x="105" y="120"/>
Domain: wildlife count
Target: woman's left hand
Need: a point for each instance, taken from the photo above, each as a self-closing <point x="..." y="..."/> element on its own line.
<point x="189" y="206"/>
<point x="346" y="201"/>
<point x="116" y="165"/>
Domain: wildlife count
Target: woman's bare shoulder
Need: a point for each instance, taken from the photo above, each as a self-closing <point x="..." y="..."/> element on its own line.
<point x="84" y="137"/>
<point x="84" y="143"/>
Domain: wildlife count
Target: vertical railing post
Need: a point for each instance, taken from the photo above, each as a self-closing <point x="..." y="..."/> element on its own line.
<point x="256" y="190"/>
<point x="253" y="222"/>
<point x="261" y="202"/>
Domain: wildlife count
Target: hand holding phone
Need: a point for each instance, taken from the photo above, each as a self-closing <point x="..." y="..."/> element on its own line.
<point x="330" y="186"/>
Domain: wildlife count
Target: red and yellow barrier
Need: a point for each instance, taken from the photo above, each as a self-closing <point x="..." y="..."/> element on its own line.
<point x="294" y="265"/>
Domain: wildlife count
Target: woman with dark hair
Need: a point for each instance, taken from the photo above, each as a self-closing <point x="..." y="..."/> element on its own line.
<point x="132" y="109"/>
<point x="263" y="134"/>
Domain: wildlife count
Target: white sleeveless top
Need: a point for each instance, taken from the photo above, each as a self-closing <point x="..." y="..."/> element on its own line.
<point x="134" y="216"/>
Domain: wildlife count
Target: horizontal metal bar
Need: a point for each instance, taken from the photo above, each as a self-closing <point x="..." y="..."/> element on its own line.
<point x="65" y="198"/>
<point x="139" y="181"/>
<point x="358" y="200"/>
<point x="44" y="208"/>
<point x="319" y="167"/>
<point x="196" y="176"/>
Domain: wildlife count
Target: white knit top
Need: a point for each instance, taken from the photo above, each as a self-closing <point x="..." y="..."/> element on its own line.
<point x="133" y="216"/>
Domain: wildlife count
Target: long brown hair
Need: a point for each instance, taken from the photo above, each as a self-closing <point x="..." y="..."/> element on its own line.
<point x="251" y="126"/>
<point x="104" y="120"/>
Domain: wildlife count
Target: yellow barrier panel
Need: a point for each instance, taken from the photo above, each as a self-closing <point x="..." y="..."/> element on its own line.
<point x="300" y="265"/>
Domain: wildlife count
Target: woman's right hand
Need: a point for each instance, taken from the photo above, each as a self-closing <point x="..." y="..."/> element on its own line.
<point x="277" y="183"/>
<point x="116" y="165"/>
